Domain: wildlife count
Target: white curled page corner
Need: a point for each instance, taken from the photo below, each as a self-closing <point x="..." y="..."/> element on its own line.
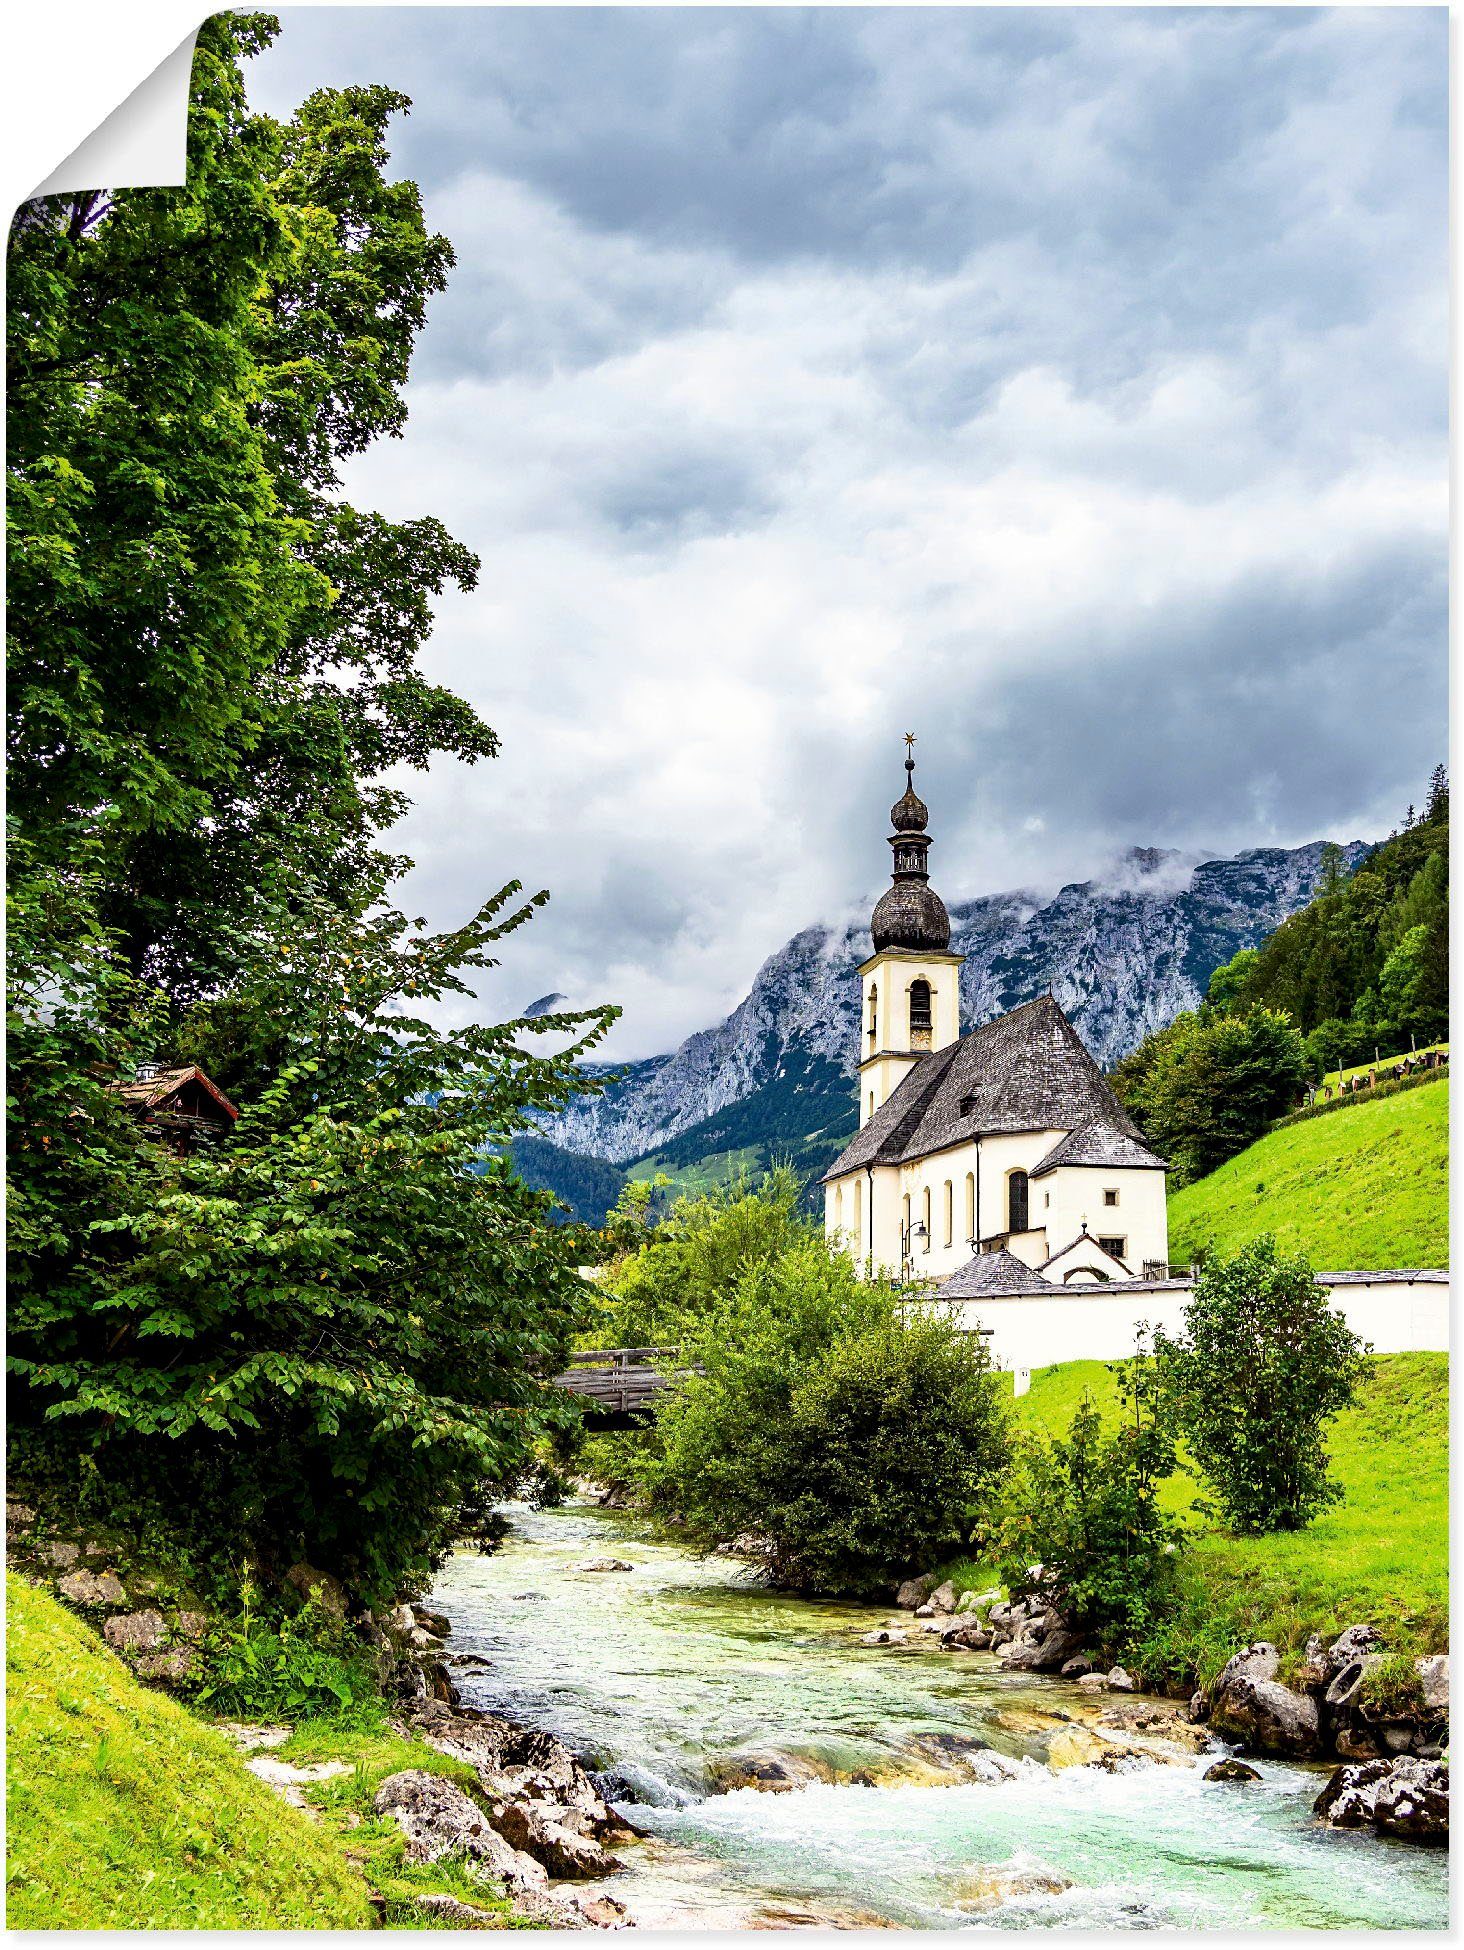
<point x="143" y="143"/>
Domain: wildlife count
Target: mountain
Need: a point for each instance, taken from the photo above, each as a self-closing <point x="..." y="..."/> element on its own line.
<point x="1123" y="954"/>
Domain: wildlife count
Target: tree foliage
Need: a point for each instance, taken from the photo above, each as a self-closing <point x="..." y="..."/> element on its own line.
<point x="1210" y="1084"/>
<point x="1262" y="1366"/>
<point x="1081" y="1521"/>
<point x="329" y="1334"/>
<point x="851" y="1437"/>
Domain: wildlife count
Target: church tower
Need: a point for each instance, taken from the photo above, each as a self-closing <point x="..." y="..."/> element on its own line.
<point x="910" y="984"/>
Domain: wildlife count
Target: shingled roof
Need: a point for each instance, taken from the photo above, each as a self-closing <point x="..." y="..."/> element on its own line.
<point x="1100" y="1143"/>
<point x="998" y="1272"/>
<point x="1027" y="1071"/>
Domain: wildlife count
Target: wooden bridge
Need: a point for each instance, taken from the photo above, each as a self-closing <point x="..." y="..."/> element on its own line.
<point x="619" y="1385"/>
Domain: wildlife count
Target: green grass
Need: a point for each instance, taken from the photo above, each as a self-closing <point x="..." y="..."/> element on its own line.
<point x="717" y="1168"/>
<point x="1334" y="1077"/>
<point x="1379" y="1557"/>
<point x="1366" y="1186"/>
<point x="127" y="1812"/>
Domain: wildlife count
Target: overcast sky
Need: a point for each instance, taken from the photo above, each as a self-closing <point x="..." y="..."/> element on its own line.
<point x="1068" y="387"/>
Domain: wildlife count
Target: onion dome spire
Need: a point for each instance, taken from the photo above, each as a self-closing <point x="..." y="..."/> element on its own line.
<point x="910" y="914"/>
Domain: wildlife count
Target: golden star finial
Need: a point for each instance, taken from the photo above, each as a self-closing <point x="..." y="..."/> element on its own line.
<point x="910" y="740"/>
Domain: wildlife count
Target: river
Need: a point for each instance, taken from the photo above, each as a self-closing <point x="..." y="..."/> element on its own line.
<point x="660" y="1675"/>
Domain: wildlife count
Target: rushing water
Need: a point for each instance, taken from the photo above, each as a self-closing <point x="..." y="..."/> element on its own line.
<point x="662" y="1676"/>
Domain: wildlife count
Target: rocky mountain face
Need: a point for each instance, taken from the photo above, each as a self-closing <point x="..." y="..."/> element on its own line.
<point x="1123" y="955"/>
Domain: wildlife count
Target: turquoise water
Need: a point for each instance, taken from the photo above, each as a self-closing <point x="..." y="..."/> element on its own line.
<point x="665" y="1675"/>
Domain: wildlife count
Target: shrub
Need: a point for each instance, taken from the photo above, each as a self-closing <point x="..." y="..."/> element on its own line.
<point x="1264" y="1364"/>
<point x="853" y="1439"/>
<point x="1085" y="1509"/>
<point x="282" y="1665"/>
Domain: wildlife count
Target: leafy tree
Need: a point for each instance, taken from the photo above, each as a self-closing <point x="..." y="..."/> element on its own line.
<point x="1263" y="1365"/>
<point x="1227" y="983"/>
<point x="1210" y="1084"/>
<point x="1081" y="1519"/>
<point x="852" y="1437"/>
<point x="212" y="655"/>
<point x="330" y="1336"/>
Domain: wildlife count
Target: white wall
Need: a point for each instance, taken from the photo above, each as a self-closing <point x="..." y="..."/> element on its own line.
<point x="1095" y="1323"/>
<point x="1063" y="1199"/>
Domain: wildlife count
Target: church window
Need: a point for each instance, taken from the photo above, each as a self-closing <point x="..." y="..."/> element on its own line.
<point x="1017" y="1201"/>
<point x="1115" y="1246"/>
<point x="1110" y="1195"/>
<point x="873" y="1018"/>
<point x="858" y="1213"/>
<point x="871" y="1103"/>
<point x="906" y="1220"/>
<point x="950" y="1212"/>
<point x="970" y="1205"/>
<point x="920" y="1023"/>
<point x="926" y="1216"/>
<point x="838" y="1208"/>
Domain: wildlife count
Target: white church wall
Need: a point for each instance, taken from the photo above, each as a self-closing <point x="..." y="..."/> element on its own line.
<point x="1397" y="1312"/>
<point x="1070" y="1198"/>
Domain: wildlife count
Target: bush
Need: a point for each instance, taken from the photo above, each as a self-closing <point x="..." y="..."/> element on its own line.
<point x="1264" y="1364"/>
<point x="1085" y="1509"/>
<point x="853" y="1441"/>
<point x="283" y="1665"/>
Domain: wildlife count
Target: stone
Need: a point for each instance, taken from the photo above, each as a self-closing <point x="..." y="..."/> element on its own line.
<point x="421" y="1641"/>
<point x="535" y="1828"/>
<point x="458" y="1915"/>
<point x="290" y="1781"/>
<point x="943" y="1598"/>
<point x="1075" y="1746"/>
<point x="604" y="1564"/>
<point x="1402" y="1796"/>
<point x="1317" y="1671"/>
<point x="19" y="1516"/>
<point x="520" y="1764"/>
<point x="604" y="1912"/>
<point x="400" y="1620"/>
<point x="59" y="1554"/>
<point x="327" y="1591"/>
<point x="992" y="1888"/>
<point x="92" y="1588"/>
<point x="1153" y="1720"/>
<point x="964" y="1632"/>
<point x="435" y="1622"/>
<point x="1249" y="1703"/>
<point x="915" y="1591"/>
<point x="1343" y="1690"/>
<point x="1077" y="1666"/>
<point x="439" y="1819"/>
<point x="977" y="1600"/>
<point x="1120" y="1682"/>
<point x="926" y="1610"/>
<point x="1231" y="1770"/>
<point x="1352" y="1644"/>
<point x="134" y="1631"/>
<point x="191" y="1625"/>
<point x="1199" y="1705"/>
<point x="1094" y="1682"/>
<point x="1413" y="1801"/>
<point x="1045" y="1654"/>
<point x="886" y="1635"/>
<point x="173" y="1663"/>
<point x="770" y="1773"/>
<point x="1433" y="1677"/>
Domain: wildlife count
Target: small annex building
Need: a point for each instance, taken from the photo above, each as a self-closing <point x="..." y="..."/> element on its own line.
<point x="181" y="1105"/>
<point x="985" y="1158"/>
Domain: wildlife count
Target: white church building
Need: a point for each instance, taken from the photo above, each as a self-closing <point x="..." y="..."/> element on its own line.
<point x="981" y="1160"/>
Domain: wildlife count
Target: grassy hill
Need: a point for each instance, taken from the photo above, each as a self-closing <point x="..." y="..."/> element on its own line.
<point x="1381" y="1555"/>
<point x="124" y="1811"/>
<point x="1366" y="1185"/>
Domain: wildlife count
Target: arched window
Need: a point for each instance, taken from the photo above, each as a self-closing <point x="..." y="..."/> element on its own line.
<point x="838" y="1208"/>
<point x="905" y="1220"/>
<point x="873" y="1017"/>
<point x="858" y="1227"/>
<point x="920" y="1025"/>
<point x="871" y="1103"/>
<point x="1016" y="1201"/>
<point x="970" y="1205"/>
<point x="950" y="1213"/>
<point x="925" y="1214"/>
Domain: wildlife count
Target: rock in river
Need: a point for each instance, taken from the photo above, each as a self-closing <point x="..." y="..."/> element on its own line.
<point x="1401" y="1796"/>
<point x="1248" y="1702"/>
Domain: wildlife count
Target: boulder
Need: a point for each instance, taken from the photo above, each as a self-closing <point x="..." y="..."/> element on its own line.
<point x="966" y="1632"/>
<point x="455" y="1914"/>
<point x="1120" y="1682"/>
<point x="1094" y="1682"/>
<point x="770" y="1773"/>
<point x="1076" y="1667"/>
<point x="1433" y="1677"/>
<point x="1402" y="1796"/>
<point x="978" y="1600"/>
<point x="421" y="1641"/>
<point x="92" y="1588"/>
<point x="19" y="1516"/>
<point x="604" y="1912"/>
<point x="1075" y="1746"/>
<point x="1350" y="1645"/>
<point x="1231" y="1770"/>
<point x="1047" y="1653"/>
<point x="167" y="1666"/>
<point x="549" y="1834"/>
<point x="604" y="1564"/>
<point x="915" y="1591"/>
<point x="191" y="1625"/>
<point x="886" y="1635"/>
<point x="59" y="1554"/>
<point x="439" y="1819"/>
<point x="435" y="1622"/>
<point x="943" y="1598"/>
<point x="1413" y="1801"/>
<point x="134" y="1631"/>
<point x="1248" y="1702"/>
<point x="1199" y="1705"/>
<point x="1346" y="1684"/>
<point x="327" y="1591"/>
<point x="927" y="1610"/>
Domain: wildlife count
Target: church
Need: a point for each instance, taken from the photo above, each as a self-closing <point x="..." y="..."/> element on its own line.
<point x="981" y="1160"/>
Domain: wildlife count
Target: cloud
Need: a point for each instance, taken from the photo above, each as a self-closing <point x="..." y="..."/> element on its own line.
<point x="1067" y="386"/>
